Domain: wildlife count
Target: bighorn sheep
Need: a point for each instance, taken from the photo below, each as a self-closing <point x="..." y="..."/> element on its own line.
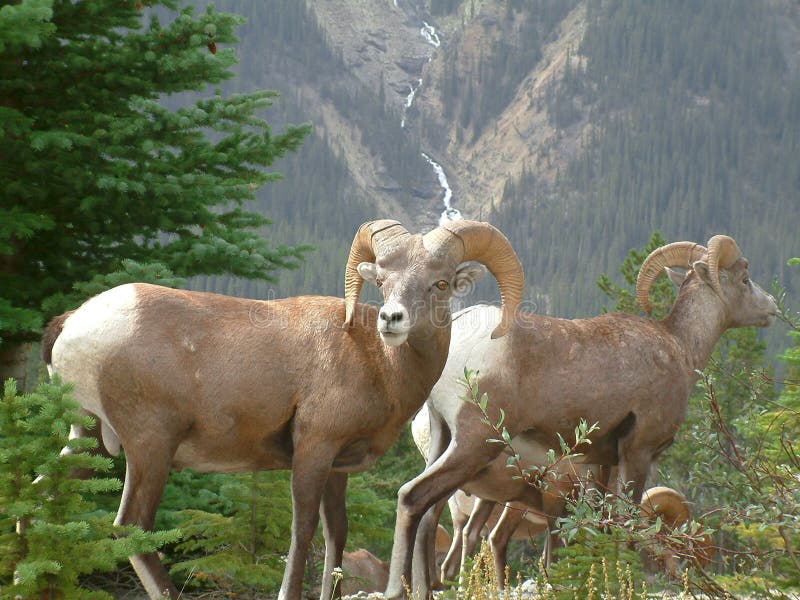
<point x="528" y="507"/>
<point x="630" y="374"/>
<point x="318" y="385"/>
<point x="363" y="572"/>
<point x="474" y="518"/>
<point x="515" y="522"/>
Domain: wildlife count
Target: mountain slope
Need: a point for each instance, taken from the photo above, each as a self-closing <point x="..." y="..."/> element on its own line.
<point x="578" y="127"/>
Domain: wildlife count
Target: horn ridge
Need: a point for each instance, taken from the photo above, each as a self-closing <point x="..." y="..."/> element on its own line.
<point x="667" y="503"/>
<point x="373" y="238"/>
<point x="676" y="254"/>
<point x="722" y="252"/>
<point x="486" y="244"/>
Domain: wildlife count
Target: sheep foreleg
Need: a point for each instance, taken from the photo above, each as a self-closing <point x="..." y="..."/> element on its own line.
<point x="333" y="512"/>
<point x="311" y="467"/>
<point x="438" y="481"/>
<point x="481" y="510"/>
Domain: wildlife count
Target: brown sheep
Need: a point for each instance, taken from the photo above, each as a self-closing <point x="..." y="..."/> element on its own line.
<point x="630" y="374"/>
<point x="319" y="385"/>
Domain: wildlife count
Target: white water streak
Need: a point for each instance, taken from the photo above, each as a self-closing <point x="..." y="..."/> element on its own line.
<point x="449" y="213"/>
<point x="410" y="100"/>
<point x="430" y="35"/>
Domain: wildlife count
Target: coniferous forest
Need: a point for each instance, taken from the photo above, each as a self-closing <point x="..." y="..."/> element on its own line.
<point x="687" y="126"/>
<point x="235" y="147"/>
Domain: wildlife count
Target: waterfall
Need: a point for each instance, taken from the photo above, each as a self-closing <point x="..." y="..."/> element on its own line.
<point x="409" y="100"/>
<point x="430" y="35"/>
<point x="450" y="213"/>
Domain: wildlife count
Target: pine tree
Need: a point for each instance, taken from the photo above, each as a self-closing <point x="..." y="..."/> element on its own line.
<point x="241" y="547"/>
<point x="96" y="169"/>
<point x="662" y="294"/>
<point x="50" y="533"/>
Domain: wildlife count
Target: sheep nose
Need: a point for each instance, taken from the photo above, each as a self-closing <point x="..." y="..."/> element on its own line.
<point x="391" y="316"/>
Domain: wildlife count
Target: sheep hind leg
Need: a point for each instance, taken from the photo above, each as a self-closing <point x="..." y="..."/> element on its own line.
<point x="424" y="558"/>
<point x="430" y="543"/>
<point x="146" y="473"/>
<point x="79" y="431"/>
<point x="424" y="553"/>
<point x="333" y="512"/>
<point x="552" y="541"/>
<point x="511" y="517"/>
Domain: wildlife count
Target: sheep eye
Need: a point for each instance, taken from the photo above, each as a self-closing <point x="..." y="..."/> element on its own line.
<point x="442" y="284"/>
<point x="746" y="280"/>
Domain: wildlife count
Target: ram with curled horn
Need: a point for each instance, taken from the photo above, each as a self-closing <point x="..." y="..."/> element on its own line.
<point x="630" y="374"/>
<point x="474" y="518"/>
<point x="319" y="385"/>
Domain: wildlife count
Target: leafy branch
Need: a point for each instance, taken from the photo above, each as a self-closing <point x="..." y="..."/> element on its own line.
<point x="539" y="476"/>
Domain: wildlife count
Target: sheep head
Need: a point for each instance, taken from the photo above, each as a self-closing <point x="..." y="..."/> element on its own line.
<point x="418" y="274"/>
<point x="722" y="267"/>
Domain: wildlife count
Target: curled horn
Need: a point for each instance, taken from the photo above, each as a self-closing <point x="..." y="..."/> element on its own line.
<point x="667" y="503"/>
<point x="373" y="238"/>
<point x="677" y="254"/>
<point x="722" y="252"/>
<point x="673" y="509"/>
<point x="481" y="242"/>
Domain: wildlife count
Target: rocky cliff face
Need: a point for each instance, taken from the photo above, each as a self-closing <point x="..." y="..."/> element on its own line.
<point x="409" y="57"/>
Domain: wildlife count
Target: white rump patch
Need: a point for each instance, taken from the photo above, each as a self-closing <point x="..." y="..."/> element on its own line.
<point x="100" y="325"/>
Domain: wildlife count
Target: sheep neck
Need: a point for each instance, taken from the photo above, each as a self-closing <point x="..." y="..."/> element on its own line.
<point x="697" y="320"/>
<point x="419" y="363"/>
<point x="431" y="346"/>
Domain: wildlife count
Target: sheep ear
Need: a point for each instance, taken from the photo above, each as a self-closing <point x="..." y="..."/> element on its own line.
<point x="368" y="271"/>
<point x="467" y="275"/>
<point x="676" y="277"/>
<point x="703" y="271"/>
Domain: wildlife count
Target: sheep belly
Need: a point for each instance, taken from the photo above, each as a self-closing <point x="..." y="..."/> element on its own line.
<point x="235" y="451"/>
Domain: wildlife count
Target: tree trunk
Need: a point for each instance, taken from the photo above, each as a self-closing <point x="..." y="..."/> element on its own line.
<point x="14" y="363"/>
